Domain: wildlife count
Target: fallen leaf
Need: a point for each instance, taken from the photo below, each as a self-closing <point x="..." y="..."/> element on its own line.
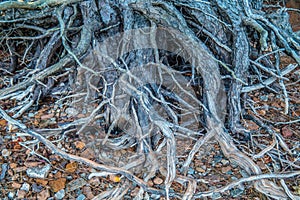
<point x="3" y="122"/>
<point x="57" y="184"/>
<point x="114" y="178"/>
<point x="286" y="132"/>
<point x="71" y="167"/>
<point x="79" y="145"/>
<point x="41" y="182"/>
<point x="88" y="153"/>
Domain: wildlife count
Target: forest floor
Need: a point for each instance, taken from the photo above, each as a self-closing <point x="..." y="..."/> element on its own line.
<point x="38" y="174"/>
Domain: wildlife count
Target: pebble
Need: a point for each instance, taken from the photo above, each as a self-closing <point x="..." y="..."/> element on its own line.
<point x="75" y="184"/>
<point x="11" y="195"/>
<point x="157" y="181"/>
<point x="200" y="169"/>
<point x="72" y="112"/>
<point x="236" y="192"/>
<point x="4" y="168"/>
<point x="226" y="169"/>
<point x="36" y="188"/>
<point x="5" y="153"/>
<point x="216" y="195"/>
<point x="25" y="187"/>
<point x="224" y="162"/>
<point x="21" y="194"/>
<point x="191" y="171"/>
<point x="264" y="97"/>
<point x="81" y="197"/>
<point x="60" y="194"/>
<point x="155" y="196"/>
<point x="218" y="158"/>
<point x="30" y="115"/>
<point x="37" y="172"/>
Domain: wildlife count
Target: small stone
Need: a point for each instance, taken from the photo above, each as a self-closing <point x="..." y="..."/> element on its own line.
<point x="36" y="188"/>
<point x="21" y="194"/>
<point x="72" y="112"/>
<point x="30" y="115"/>
<point x="224" y="162"/>
<point x="226" y="169"/>
<point x="155" y="196"/>
<point x="75" y="184"/>
<point x="158" y="181"/>
<point x="199" y="169"/>
<point x="81" y="197"/>
<point x="286" y="132"/>
<point x="43" y="195"/>
<point x="191" y="171"/>
<point x="264" y="97"/>
<point x="88" y="153"/>
<point x="5" y="153"/>
<point x="88" y="192"/>
<point x="25" y="187"/>
<point x="216" y="195"/>
<point x="60" y="194"/>
<point x="236" y="192"/>
<point x="218" y="158"/>
<point x="37" y="172"/>
<point x="16" y="185"/>
<point x="4" y="168"/>
<point x="11" y="195"/>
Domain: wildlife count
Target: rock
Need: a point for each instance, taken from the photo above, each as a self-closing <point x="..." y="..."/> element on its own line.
<point x="155" y="196"/>
<point x="226" y="169"/>
<point x="286" y="132"/>
<point x="16" y="185"/>
<point x="224" y="162"/>
<point x="81" y="197"/>
<point x="75" y="184"/>
<point x="158" y="181"/>
<point x="88" y="192"/>
<point x="37" y="172"/>
<point x="25" y="187"/>
<point x="5" y="153"/>
<point x="264" y="97"/>
<point x="4" y="168"/>
<point x="236" y="192"/>
<point x="71" y="112"/>
<point x="199" y="169"/>
<point x="30" y="115"/>
<point x="43" y="195"/>
<point x="216" y="195"/>
<point x="21" y="194"/>
<point x="60" y="194"/>
<point x="11" y="195"/>
<point x="217" y="158"/>
<point x="36" y="188"/>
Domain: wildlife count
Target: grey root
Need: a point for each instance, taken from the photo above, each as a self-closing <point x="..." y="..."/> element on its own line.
<point x="162" y="74"/>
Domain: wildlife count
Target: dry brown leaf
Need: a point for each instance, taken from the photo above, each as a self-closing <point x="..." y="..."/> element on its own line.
<point x="71" y="167"/>
<point x="79" y="145"/>
<point x="3" y="122"/>
<point x="41" y="181"/>
<point x="57" y="184"/>
<point x="114" y="178"/>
